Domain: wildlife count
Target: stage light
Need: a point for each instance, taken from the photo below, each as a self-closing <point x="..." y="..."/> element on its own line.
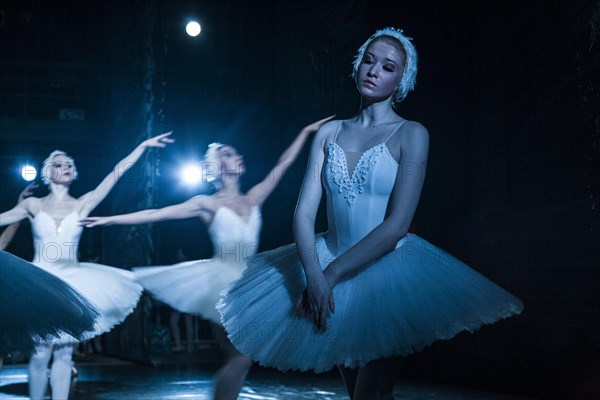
<point x="191" y="174"/>
<point x="28" y="173"/>
<point x="193" y="28"/>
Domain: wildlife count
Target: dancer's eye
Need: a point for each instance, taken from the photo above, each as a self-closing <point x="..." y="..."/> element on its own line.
<point x="59" y="165"/>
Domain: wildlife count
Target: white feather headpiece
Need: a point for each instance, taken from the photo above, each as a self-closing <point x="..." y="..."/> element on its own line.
<point x="211" y="165"/>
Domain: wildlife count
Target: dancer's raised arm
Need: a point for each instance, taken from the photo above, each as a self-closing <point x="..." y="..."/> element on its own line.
<point x="262" y="190"/>
<point x="90" y="200"/>
<point x="188" y="209"/>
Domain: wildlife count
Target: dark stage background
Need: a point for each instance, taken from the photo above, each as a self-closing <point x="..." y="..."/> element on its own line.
<point x="509" y="90"/>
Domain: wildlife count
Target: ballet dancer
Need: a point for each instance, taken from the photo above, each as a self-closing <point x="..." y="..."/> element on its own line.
<point x="366" y="292"/>
<point x="56" y="232"/>
<point x="234" y="221"/>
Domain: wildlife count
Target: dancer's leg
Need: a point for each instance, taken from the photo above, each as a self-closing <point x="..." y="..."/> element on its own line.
<point x="60" y="374"/>
<point x="230" y="378"/>
<point x="98" y="344"/>
<point x="349" y="376"/>
<point x="189" y="332"/>
<point x="38" y="371"/>
<point x="376" y="380"/>
<point x="174" y="323"/>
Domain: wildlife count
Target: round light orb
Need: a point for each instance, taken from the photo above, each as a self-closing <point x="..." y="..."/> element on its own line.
<point x="191" y="175"/>
<point x="28" y="173"/>
<point x="193" y="28"/>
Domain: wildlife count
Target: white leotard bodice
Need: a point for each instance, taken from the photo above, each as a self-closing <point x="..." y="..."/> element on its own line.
<point x="357" y="201"/>
<point x="55" y="243"/>
<point x="234" y="238"/>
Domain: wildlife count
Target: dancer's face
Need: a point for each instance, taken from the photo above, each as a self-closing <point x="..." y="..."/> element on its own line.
<point x="231" y="161"/>
<point x="61" y="170"/>
<point x="380" y="70"/>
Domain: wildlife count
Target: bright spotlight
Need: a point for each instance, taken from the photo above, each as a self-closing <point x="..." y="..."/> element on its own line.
<point x="28" y="173"/>
<point x="193" y="28"/>
<point x="191" y="174"/>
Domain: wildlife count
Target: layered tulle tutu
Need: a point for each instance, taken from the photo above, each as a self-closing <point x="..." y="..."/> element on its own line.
<point x="400" y="304"/>
<point x="36" y="306"/>
<point x="192" y="287"/>
<point x="113" y="291"/>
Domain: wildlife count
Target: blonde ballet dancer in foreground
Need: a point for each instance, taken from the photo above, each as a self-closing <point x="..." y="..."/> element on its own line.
<point x="366" y="292"/>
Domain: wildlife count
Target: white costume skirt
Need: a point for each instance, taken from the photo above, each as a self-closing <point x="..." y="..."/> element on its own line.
<point x="113" y="291"/>
<point x="399" y="304"/>
<point x="37" y="306"/>
<point x="192" y="287"/>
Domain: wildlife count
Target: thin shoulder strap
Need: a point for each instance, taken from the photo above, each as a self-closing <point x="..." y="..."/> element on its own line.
<point x="395" y="130"/>
<point x="40" y="202"/>
<point x="337" y="132"/>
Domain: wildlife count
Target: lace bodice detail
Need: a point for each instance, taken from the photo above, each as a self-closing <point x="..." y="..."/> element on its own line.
<point x="357" y="202"/>
<point x="235" y="239"/>
<point x="351" y="185"/>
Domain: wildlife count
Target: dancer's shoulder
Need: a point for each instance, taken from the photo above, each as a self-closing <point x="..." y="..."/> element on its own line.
<point x="414" y="131"/>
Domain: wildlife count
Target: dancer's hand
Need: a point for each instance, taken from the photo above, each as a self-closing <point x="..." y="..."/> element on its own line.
<point x="27" y="192"/>
<point x="316" y="300"/>
<point x="308" y="129"/>
<point x="158" y="141"/>
<point x="91" y="222"/>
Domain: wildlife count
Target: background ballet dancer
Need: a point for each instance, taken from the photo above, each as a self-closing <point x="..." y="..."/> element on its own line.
<point x="56" y="231"/>
<point x="233" y="219"/>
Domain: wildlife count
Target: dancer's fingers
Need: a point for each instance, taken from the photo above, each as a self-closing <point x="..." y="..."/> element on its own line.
<point x="331" y="303"/>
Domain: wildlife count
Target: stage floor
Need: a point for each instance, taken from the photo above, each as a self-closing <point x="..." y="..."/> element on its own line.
<point x="110" y="379"/>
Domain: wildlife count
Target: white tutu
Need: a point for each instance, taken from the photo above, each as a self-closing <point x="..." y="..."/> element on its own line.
<point x="113" y="291"/>
<point x="405" y="301"/>
<point x="192" y="287"/>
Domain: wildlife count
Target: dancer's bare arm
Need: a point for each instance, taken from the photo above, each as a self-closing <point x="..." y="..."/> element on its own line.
<point x="90" y="200"/>
<point x="317" y="292"/>
<point x="261" y="191"/>
<point x="188" y="209"/>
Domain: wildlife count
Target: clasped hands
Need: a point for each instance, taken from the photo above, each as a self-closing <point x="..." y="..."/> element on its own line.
<point x="317" y="299"/>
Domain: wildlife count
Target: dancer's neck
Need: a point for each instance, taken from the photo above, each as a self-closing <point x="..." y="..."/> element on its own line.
<point x="58" y="192"/>
<point x="230" y="186"/>
<point x="377" y="113"/>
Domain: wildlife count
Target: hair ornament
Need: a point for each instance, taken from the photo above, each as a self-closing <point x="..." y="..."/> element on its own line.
<point x="211" y="166"/>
